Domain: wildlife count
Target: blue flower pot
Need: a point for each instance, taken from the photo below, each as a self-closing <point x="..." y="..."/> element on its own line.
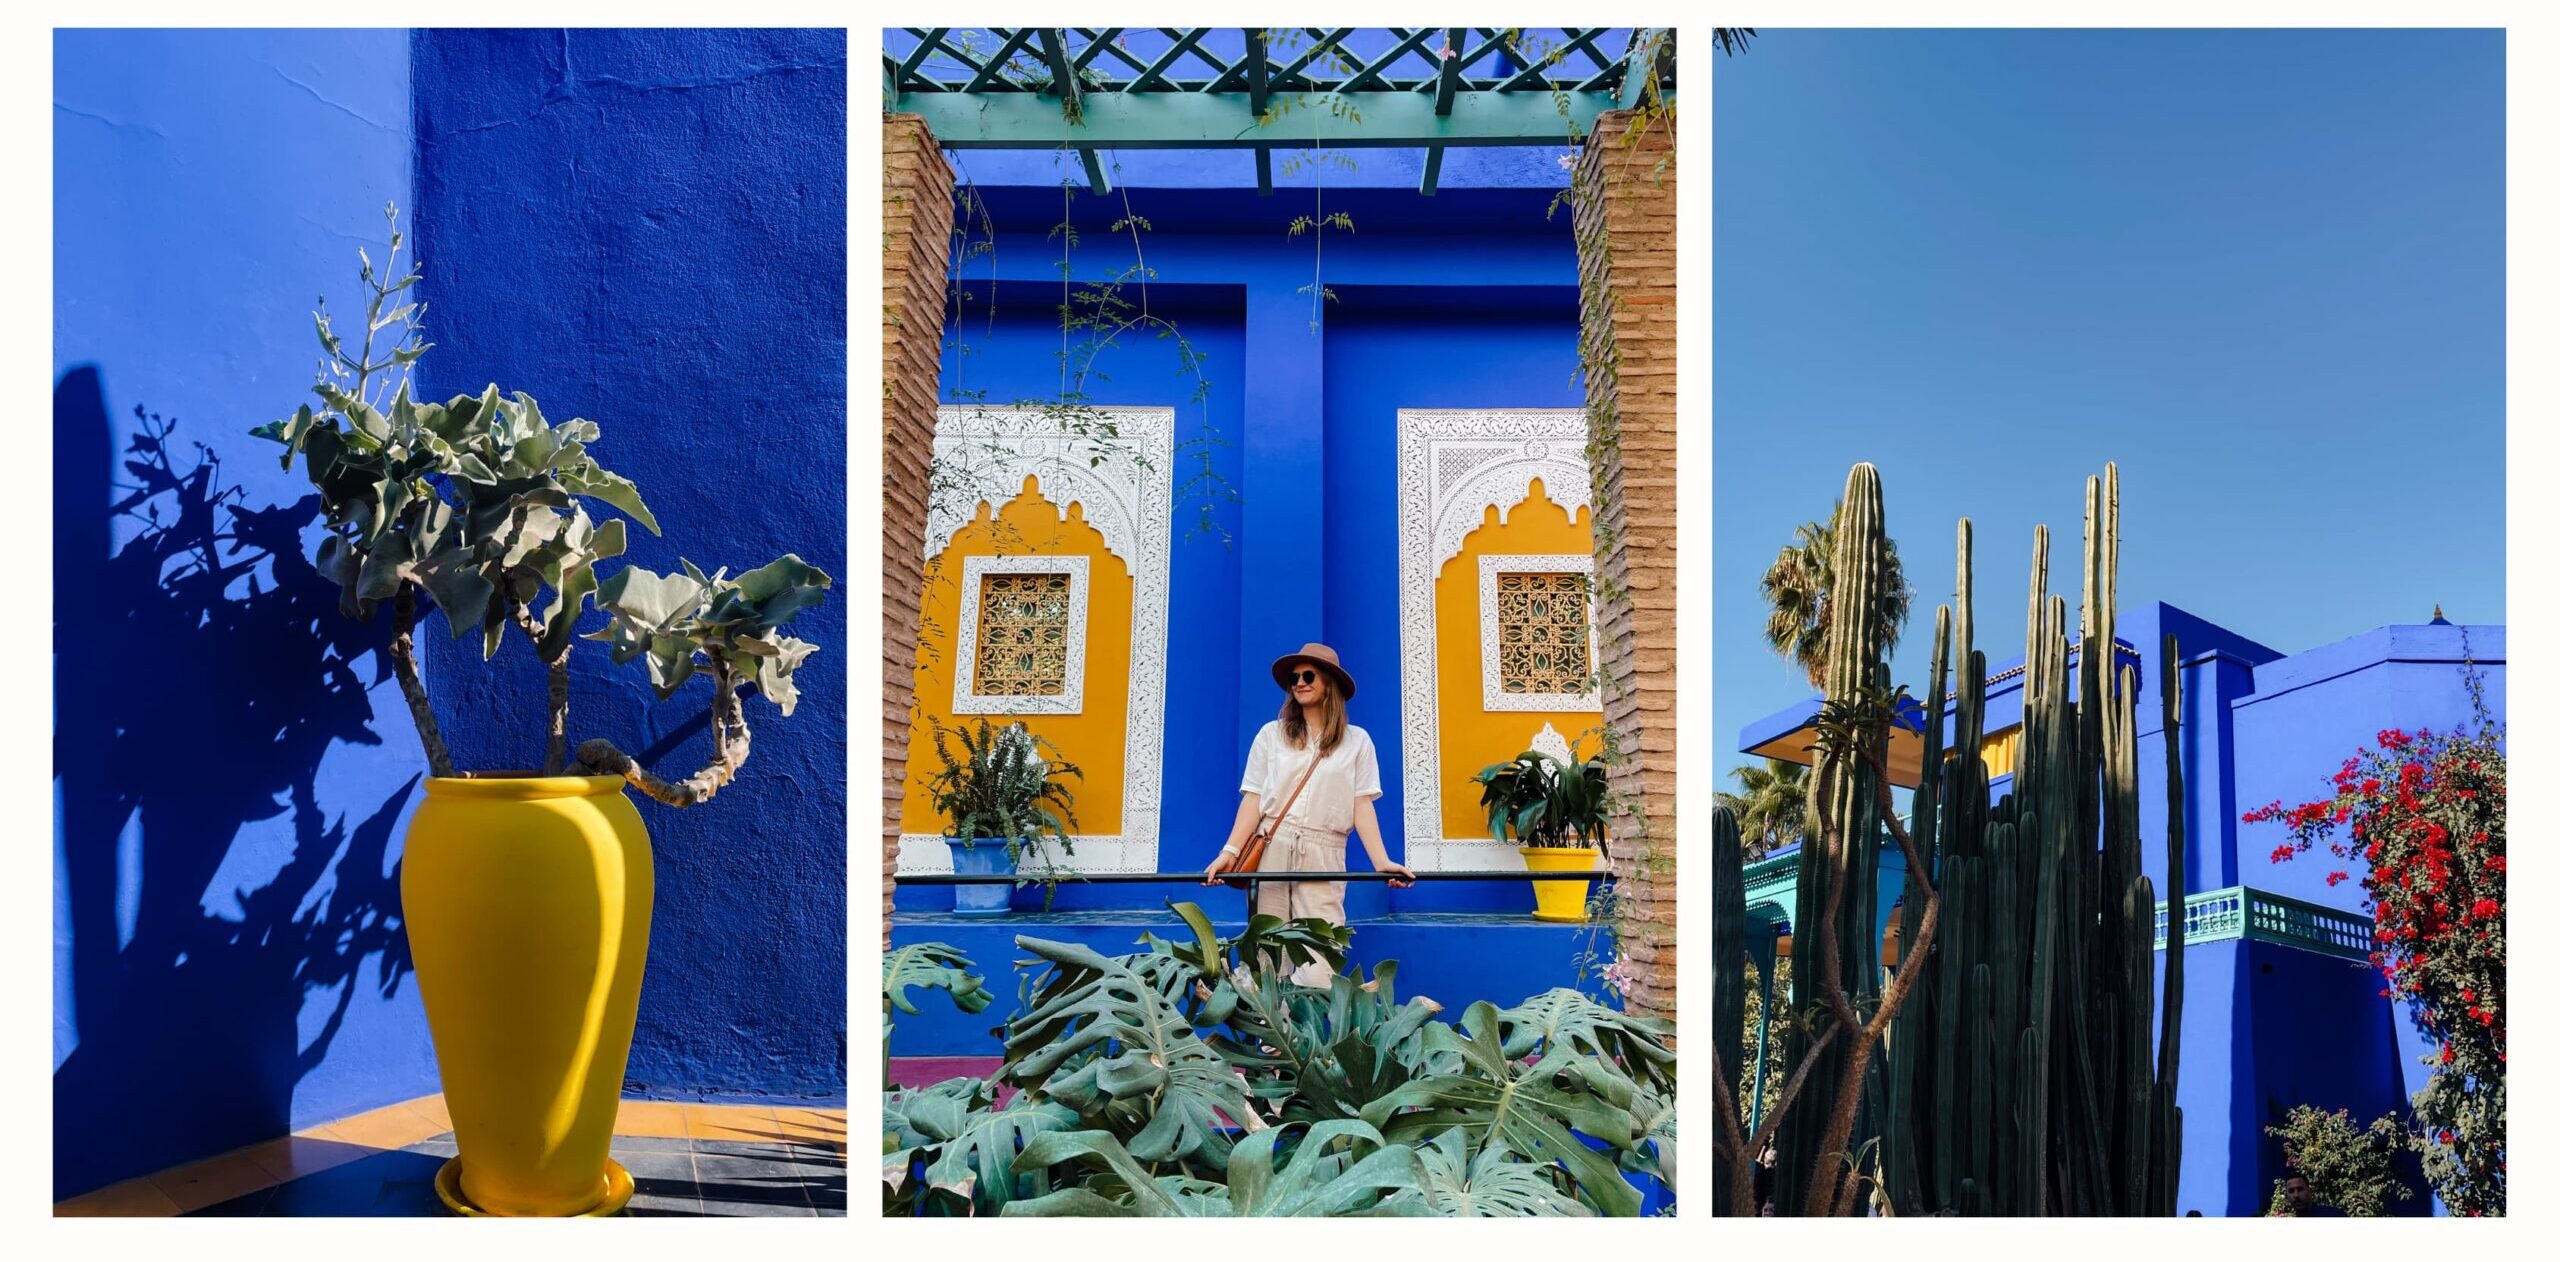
<point x="986" y="858"/>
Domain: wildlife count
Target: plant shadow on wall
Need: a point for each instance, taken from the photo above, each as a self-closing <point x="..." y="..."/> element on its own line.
<point x="202" y="674"/>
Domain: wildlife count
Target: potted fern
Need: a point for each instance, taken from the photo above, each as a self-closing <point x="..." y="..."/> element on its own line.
<point x="1000" y="797"/>
<point x="1558" y="811"/>
<point x="527" y="893"/>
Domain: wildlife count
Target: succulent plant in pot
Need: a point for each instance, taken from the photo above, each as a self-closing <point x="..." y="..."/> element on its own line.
<point x="528" y="894"/>
<point x="1558" y="812"/>
<point x="1002" y="798"/>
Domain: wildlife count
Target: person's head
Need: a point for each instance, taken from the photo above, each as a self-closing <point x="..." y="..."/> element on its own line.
<point x="2195" y="1213"/>
<point x="1768" y="1209"/>
<point x="2297" y="1194"/>
<point x="1315" y="691"/>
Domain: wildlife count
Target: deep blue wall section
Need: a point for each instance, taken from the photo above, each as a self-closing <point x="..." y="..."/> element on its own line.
<point x="233" y="766"/>
<point x="1302" y="423"/>
<point x="646" y="228"/>
<point x="2312" y="710"/>
<point x="2329" y="1043"/>
<point x="1391" y="347"/>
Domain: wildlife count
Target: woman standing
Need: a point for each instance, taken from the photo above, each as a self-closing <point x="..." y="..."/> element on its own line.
<point x="1320" y="775"/>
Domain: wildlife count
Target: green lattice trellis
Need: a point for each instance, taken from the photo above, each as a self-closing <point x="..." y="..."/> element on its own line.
<point x="1082" y="88"/>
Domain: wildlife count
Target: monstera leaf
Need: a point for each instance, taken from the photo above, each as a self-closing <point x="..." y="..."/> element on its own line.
<point x="1338" y="1169"/>
<point x="1458" y="1181"/>
<point x="1566" y="1022"/>
<point x="1146" y="1195"/>
<point x="933" y="966"/>
<point x="1365" y="1044"/>
<point x="1657" y="1135"/>
<point x="923" y="1116"/>
<point x="975" y="1162"/>
<point x="1532" y="1111"/>
<point x="1148" y="1079"/>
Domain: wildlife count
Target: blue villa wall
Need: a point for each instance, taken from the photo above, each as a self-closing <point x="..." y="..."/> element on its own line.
<point x="233" y="767"/>
<point x="1464" y="299"/>
<point x="647" y="229"/>
<point x="1299" y="422"/>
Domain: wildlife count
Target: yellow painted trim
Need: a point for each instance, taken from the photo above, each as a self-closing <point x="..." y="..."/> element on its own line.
<point x="1472" y="737"/>
<point x="1096" y="739"/>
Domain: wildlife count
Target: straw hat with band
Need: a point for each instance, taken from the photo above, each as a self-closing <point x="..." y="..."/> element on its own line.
<point x="1321" y="658"/>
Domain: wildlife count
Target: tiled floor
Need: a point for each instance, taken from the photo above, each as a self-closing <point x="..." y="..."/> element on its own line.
<point x="719" y="1160"/>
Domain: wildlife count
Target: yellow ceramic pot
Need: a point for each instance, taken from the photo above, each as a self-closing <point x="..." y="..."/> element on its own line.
<point x="527" y="900"/>
<point x="1566" y="901"/>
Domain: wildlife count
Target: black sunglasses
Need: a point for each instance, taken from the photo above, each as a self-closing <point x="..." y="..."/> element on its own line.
<point x="1304" y="677"/>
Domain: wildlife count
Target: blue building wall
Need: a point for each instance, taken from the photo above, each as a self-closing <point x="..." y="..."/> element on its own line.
<point x="1467" y="299"/>
<point x="647" y="229"/>
<point x="233" y="768"/>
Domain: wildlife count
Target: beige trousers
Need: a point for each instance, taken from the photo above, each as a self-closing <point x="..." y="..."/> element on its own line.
<point x="1297" y="848"/>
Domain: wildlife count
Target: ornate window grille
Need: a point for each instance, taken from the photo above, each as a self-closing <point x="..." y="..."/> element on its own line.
<point x="1022" y="635"/>
<point x="1542" y="627"/>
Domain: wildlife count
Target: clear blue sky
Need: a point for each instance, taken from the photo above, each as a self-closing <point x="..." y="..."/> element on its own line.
<point x="2262" y="271"/>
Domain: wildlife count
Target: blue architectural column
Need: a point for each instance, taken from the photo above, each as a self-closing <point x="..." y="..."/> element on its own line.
<point x="1282" y="455"/>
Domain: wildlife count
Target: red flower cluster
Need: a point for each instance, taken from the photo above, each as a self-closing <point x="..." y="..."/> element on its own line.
<point x="2421" y="824"/>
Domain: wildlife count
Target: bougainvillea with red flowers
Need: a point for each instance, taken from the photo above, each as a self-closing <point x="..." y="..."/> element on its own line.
<point x="2420" y="819"/>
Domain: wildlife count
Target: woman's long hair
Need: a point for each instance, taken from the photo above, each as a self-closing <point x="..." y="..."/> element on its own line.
<point x="1293" y="718"/>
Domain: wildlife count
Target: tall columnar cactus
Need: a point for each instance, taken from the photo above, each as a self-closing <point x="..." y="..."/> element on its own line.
<point x="2019" y="1075"/>
<point x="2026" y="1083"/>
<point x="1724" y="970"/>
<point x="1836" y="882"/>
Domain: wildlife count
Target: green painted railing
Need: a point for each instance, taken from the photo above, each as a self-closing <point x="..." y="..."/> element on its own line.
<point x="2242" y="912"/>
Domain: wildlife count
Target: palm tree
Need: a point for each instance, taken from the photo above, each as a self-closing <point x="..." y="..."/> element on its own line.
<point x="1797" y="588"/>
<point x="1770" y="808"/>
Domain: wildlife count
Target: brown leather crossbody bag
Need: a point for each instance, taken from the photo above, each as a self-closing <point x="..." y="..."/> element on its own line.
<point x="1249" y="856"/>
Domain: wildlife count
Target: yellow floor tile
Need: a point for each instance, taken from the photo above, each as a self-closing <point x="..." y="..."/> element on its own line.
<point x="729" y="1121"/>
<point x="212" y="1180"/>
<point x="395" y="1127"/>
<point x="650" y="1119"/>
<point x="431" y="1107"/>
<point x="133" y="1198"/>
<point x="811" y="1126"/>
<point x="294" y="1156"/>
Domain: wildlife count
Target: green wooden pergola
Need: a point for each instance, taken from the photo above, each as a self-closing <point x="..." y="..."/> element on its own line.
<point x="1082" y="88"/>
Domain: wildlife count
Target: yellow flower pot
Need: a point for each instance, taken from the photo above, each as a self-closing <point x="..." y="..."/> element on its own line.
<point x="1563" y="901"/>
<point x="527" y="901"/>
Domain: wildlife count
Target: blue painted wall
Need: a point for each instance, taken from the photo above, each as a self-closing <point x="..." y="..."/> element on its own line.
<point x="646" y="228"/>
<point x="2269" y="1027"/>
<point x="232" y="765"/>
<point x="1466" y="299"/>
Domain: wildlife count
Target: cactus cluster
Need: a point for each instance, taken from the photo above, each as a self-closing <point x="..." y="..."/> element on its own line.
<point x="2019" y="1074"/>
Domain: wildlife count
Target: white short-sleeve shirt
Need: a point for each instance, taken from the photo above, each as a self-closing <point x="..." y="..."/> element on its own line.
<point x="1346" y="775"/>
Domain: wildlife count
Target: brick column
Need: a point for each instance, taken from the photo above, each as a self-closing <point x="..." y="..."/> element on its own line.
<point x="1624" y="199"/>
<point x="915" y="256"/>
